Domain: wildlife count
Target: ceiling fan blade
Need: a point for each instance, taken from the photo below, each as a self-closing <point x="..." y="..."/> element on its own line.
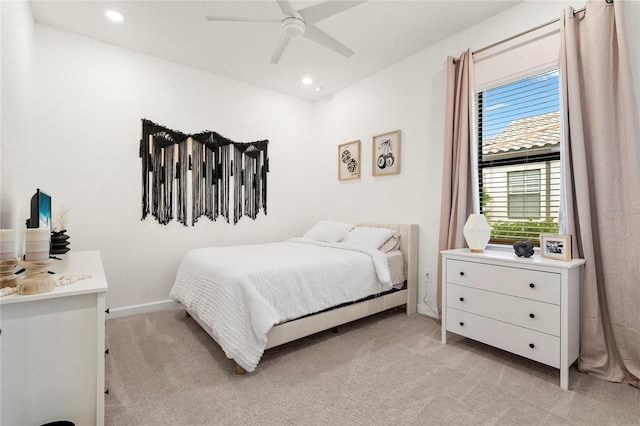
<point x="239" y="19"/>
<point x="323" y="10"/>
<point x="277" y="52"/>
<point x="286" y="7"/>
<point x="316" y="34"/>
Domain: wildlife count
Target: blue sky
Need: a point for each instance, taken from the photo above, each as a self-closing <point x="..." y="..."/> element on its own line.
<point x="531" y="96"/>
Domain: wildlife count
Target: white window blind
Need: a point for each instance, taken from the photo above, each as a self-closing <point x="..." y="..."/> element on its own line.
<point x="518" y="156"/>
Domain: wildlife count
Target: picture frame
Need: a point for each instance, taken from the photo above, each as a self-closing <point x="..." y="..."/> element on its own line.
<point x="555" y="246"/>
<point x="386" y="153"/>
<point x="349" y="160"/>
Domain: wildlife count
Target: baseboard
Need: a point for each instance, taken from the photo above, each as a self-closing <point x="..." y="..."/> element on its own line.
<point x="144" y="308"/>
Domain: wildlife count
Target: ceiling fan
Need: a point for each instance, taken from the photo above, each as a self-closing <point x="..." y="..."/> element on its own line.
<point x="301" y="23"/>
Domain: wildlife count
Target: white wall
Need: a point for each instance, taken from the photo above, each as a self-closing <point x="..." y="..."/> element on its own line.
<point x="16" y="118"/>
<point x="90" y="98"/>
<point x="408" y="96"/>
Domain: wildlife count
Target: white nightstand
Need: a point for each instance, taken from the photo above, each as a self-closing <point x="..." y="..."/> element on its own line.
<point x="530" y="307"/>
<point x="52" y="349"/>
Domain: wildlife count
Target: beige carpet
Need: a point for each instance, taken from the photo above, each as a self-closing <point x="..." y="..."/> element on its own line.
<point x="163" y="369"/>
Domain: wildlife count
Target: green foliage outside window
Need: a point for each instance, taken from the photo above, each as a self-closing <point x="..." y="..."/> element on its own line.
<point x="511" y="231"/>
<point x="524" y="230"/>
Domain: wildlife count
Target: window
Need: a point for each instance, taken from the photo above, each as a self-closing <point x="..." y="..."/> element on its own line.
<point x="523" y="200"/>
<point x="518" y="134"/>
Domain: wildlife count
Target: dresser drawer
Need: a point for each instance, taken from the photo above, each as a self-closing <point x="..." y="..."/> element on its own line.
<point x="531" y="344"/>
<point x="539" y="316"/>
<point x="535" y="285"/>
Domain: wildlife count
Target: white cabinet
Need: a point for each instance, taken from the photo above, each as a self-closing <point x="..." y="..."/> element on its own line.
<point x="530" y="307"/>
<point x="52" y="349"/>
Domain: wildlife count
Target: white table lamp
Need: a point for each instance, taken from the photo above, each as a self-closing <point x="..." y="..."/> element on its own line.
<point x="477" y="232"/>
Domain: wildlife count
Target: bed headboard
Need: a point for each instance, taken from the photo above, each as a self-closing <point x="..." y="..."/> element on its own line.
<point x="409" y="247"/>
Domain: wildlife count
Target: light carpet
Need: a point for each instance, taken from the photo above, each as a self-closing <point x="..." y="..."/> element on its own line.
<point x="163" y="369"/>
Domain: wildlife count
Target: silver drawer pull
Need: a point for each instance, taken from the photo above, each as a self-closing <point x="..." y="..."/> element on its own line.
<point x="532" y="316"/>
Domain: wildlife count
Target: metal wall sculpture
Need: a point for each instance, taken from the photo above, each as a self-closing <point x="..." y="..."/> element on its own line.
<point x="217" y="166"/>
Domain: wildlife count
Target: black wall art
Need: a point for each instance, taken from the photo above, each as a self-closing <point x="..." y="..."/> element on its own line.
<point x="203" y="168"/>
<point x="386" y="154"/>
<point x="349" y="160"/>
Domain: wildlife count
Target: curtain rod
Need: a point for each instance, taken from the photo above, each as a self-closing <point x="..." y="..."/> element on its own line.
<point x="482" y="49"/>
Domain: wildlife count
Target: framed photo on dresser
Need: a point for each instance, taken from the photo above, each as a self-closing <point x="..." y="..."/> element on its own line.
<point x="555" y="246"/>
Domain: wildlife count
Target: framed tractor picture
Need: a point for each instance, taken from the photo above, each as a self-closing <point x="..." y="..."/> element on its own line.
<point x="386" y="154"/>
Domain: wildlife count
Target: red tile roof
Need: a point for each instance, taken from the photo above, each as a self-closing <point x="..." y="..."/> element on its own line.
<point x="525" y="133"/>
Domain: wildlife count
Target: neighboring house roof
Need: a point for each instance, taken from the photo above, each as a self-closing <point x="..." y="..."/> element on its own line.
<point x="525" y="133"/>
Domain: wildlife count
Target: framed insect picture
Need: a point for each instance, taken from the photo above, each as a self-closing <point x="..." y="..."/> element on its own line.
<point x="386" y="154"/>
<point x="349" y="160"/>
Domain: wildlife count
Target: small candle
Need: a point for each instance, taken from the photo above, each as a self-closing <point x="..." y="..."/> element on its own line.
<point x="36" y="244"/>
<point x="7" y="244"/>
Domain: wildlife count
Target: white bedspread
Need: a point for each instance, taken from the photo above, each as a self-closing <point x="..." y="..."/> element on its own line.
<point x="241" y="292"/>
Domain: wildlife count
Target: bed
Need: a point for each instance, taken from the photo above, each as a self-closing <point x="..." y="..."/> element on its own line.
<point x="238" y="295"/>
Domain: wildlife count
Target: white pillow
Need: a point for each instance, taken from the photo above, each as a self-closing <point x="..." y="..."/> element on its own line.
<point x="392" y="243"/>
<point x="369" y="237"/>
<point x="328" y="231"/>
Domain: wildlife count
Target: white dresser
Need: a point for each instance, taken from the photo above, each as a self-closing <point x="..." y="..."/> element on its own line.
<point x="530" y="307"/>
<point x="52" y="349"/>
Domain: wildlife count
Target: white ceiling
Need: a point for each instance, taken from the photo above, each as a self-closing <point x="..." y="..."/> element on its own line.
<point x="380" y="32"/>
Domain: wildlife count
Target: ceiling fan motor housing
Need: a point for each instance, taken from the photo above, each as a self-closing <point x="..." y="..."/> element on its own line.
<point x="293" y="26"/>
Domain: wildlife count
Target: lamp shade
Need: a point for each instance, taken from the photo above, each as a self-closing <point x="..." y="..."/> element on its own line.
<point x="477" y="232"/>
<point x="7" y="244"/>
<point x="36" y="242"/>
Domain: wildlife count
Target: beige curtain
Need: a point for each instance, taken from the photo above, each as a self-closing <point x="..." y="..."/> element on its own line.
<point x="602" y="180"/>
<point x="457" y="171"/>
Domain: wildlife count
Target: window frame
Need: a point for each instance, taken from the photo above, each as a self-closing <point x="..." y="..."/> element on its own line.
<point x="479" y="164"/>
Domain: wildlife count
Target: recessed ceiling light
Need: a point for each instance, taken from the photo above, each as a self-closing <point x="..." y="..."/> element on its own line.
<point x="114" y="15"/>
<point x="307" y="80"/>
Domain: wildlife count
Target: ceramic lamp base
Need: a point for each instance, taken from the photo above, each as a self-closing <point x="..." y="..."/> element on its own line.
<point x="36" y="285"/>
<point x="36" y="267"/>
<point x="37" y="278"/>
<point x="8" y="281"/>
<point x="7" y="278"/>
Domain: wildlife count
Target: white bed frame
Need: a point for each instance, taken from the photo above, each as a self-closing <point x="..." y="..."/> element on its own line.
<point x="306" y="326"/>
